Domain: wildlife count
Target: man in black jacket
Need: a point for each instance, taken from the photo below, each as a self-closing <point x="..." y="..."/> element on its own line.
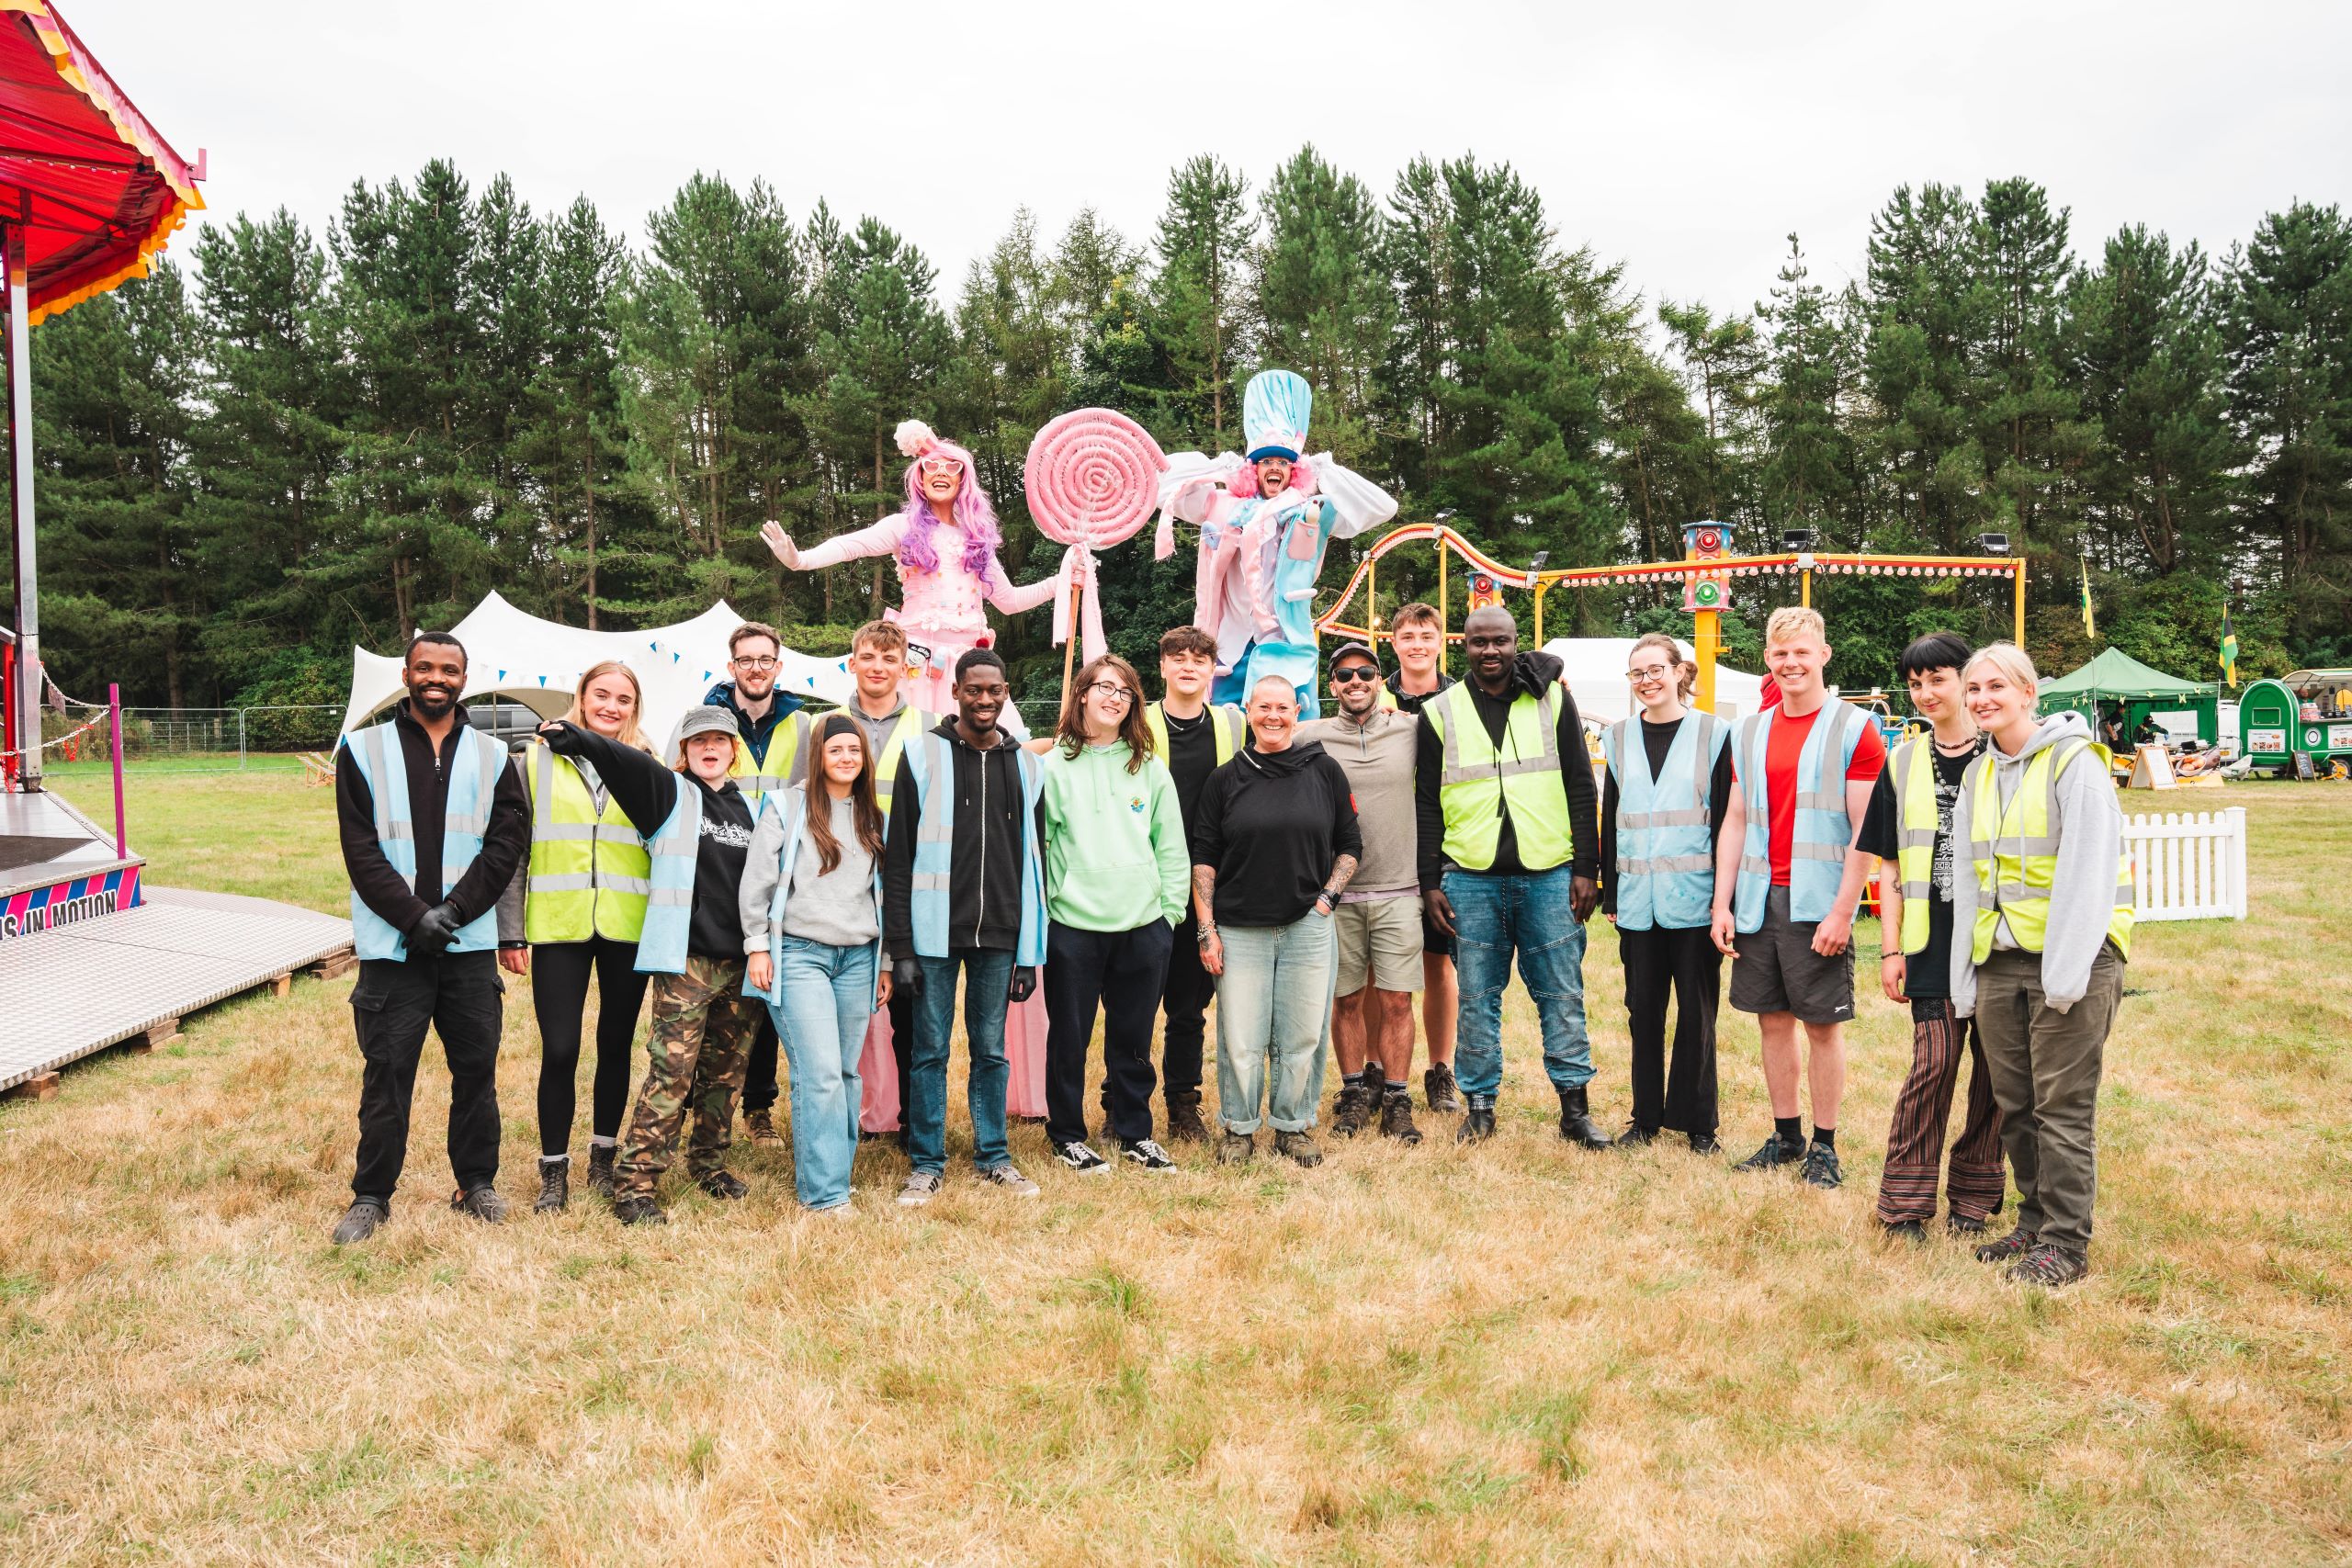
<point x="426" y="937"/>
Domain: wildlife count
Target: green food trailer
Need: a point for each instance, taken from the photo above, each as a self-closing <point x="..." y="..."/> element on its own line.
<point x="2117" y="686"/>
<point x="2308" y="714"/>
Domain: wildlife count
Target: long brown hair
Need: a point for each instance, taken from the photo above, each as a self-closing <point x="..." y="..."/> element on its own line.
<point x="1131" y="728"/>
<point x="630" y="734"/>
<point x="865" y="810"/>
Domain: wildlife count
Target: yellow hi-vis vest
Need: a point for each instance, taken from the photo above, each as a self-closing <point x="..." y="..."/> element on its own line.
<point x="2016" y="851"/>
<point x="588" y="870"/>
<point x="756" y="779"/>
<point x="1913" y="768"/>
<point x="1228" y="729"/>
<point x="1478" y="778"/>
<point x="911" y="723"/>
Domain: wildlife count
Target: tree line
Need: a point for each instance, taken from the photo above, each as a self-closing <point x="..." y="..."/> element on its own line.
<point x="296" y="444"/>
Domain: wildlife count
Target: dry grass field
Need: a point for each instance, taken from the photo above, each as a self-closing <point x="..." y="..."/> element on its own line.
<point x="1521" y="1354"/>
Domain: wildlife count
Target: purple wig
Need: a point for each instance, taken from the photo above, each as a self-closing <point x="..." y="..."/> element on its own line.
<point x="972" y="511"/>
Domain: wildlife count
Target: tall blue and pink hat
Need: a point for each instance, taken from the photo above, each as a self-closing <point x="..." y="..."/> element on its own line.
<point x="1274" y="410"/>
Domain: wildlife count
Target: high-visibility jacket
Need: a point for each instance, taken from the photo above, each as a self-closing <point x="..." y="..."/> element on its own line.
<point x="783" y="764"/>
<point x="931" y="768"/>
<point x="1666" y="860"/>
<point x="913" y="721"/>
<point x="670" y="896"/>
<point x="1913" y="768"/>
<point x="1823" y="832"/>
<point x="588" y="870"/>
<point x="474" y="765"/>
<point x="1229" y="729"/>
<point x="1478" y="777"/>
<point x="2015" y="851"/>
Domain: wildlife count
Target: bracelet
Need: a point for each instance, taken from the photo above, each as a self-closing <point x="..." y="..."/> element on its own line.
<point x="1204" y="936"/>
<point x="1885" y="956"/>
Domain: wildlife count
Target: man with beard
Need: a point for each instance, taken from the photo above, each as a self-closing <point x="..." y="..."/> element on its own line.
<point x="434" y="820"/>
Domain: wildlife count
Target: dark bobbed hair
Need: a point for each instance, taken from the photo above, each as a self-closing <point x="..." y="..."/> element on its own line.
<point x="1936" y="650"/>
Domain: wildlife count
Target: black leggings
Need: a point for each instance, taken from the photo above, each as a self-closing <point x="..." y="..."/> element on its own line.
<point x="559" y="975"/>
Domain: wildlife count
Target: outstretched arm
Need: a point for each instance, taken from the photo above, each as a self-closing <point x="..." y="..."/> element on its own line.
<point x="875" y="540"/>
<point x="1013" y="600"/>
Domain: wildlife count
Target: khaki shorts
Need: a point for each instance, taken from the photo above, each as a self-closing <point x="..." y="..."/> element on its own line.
<point x="1382" y="937"/>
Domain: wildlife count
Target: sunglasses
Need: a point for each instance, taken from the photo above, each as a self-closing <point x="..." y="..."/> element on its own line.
<point x="1354" y="673"/>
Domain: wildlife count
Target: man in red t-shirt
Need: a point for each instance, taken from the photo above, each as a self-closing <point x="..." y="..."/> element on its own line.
<point x="1791" y="971"/>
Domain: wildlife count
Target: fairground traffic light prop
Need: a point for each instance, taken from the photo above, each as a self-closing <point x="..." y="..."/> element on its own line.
<point x="1705" y="596"/>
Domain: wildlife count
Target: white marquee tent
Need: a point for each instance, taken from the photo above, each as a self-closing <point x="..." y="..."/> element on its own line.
<point x="1596" y="672"/>
<point x="523" y="659"/>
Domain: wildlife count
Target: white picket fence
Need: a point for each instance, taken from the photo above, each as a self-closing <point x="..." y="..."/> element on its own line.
<point x="2188" y="865"/>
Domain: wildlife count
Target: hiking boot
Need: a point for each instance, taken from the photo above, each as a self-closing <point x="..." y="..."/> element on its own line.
<point x="638" y="1210"/>
<point x="1081" y="1159"/>
<point x="1237" y="1148"/>
<point x="723" y="1185"/>
<point x="1964" y="1225"/>
<point x="1439" y="1090"/>
<point x="1636" y="1136"/>
<point x="920" y="1188"/>
<point x="1184" y="1123"/>
<point x="1704" y="1144"/>
<point x="1298" y="1148"/>
<point x="2049" y="1267"/>
<point x="1821" y="1169"/>
<point x="759" y="1127"/>
<point x="482" y="1203"/>
<point x="555" y="1185"/>
<point x="1014" y="1183"/>
<point x="600" y="1170"/>
<point x="1149" y="1155"/>
<point x="1575" y="1121"/>
<point x="1396" y="1117"/>
<point x="1477" y="1119"/>
<point x="1775" y="1153"/>
<point x="1911" y="1231"/>
<point x="1351" y="1111"/>
<point x="2009" y="1248"/>
<point x="359" y="1221"/>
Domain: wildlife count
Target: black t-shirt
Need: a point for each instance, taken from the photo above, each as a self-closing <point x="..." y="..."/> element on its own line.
<point x="1412" y="702"/>
<point x="1927" y="976"/>
<point x="1191" y="758"/>
<point x="1272" y="827"/>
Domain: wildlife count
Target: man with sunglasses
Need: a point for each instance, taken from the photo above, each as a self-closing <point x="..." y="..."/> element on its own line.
<point x="1378" y="921"/>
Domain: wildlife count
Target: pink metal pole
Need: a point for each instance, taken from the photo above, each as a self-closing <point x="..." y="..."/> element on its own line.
<point x="114" y="730"/>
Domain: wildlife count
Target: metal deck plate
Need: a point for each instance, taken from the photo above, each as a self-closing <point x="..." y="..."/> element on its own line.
<point x="66" y="993"/>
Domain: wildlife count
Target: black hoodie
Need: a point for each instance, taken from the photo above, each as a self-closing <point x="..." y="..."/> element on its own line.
<point x="648" y="793"/>
<point x="1272" y="825"/>
<point x="1531" y="673"/>
<point x="984" y="868"/>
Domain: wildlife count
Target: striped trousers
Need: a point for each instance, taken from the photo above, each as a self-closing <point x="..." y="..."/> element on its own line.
<point x="1915" y="1143"/>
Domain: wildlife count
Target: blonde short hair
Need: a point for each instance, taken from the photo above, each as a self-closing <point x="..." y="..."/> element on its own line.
<point x="1792" y="621"/>
<point x="2011" y="660"/>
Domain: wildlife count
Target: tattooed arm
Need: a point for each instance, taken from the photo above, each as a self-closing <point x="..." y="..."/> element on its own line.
<point x="1205" y="909"/>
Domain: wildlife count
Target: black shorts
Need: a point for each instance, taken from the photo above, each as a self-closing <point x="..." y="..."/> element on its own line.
<point x="1778" y="970"/>
<point x="1435" y="941"/>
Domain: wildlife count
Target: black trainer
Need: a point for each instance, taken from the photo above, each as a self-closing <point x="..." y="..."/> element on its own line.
<point x="1636" y="1136"/>
<point x="2051" y="1267"/>
<point x="1149" y="1155"/>
<point x="1964" y="1225"/>
<point x="723" y="1185"/>
<point x="1081" y="1158"/>
<point x="638" y="1212"/>
<point x="2009" y="1248"/>
<point x="1775" y="1154"/>
<point x="1821" y="1169"/>
<point x="1704" y="1144"/>
<point x="1911" y="1231"/>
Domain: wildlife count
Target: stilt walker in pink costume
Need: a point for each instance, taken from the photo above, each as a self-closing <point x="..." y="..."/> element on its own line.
<point x="945" y="541"/>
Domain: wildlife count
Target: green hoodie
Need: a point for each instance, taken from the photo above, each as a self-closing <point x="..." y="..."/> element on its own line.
<point x="1116" y="853"/>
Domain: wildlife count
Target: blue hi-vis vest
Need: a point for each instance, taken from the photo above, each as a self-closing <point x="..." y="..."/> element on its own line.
<point x="792" y="804"/>
<point x="1824" y="832"/>
<point x="474" y="766"/>
<point x="1666" y="860"/>
<point x="669" y="902"/>
<point x="931" y="768"/>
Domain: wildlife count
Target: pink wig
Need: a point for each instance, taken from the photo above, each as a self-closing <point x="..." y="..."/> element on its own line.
<point x="972" y="510"/>
<point x="1243" y="484"/>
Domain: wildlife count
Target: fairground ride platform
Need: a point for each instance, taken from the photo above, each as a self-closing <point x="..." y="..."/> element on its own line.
<point x="131" y="975"/>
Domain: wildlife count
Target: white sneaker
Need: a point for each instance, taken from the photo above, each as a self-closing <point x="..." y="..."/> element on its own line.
<point x="1081" y="1158"/>
<point x="920" y="1188"/>
<point x="1004" y="1176"/>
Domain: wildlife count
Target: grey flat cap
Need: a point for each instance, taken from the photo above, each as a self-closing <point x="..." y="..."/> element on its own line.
<point x="703" y="720"/>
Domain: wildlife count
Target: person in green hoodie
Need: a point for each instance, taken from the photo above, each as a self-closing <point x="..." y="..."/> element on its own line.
<point x="1116" y="871"/>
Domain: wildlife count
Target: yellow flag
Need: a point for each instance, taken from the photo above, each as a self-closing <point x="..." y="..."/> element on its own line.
<point x="2090" y="626"/>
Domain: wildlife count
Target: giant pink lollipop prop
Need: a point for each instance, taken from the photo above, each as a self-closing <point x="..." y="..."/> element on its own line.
<point x="1093" y="479"/>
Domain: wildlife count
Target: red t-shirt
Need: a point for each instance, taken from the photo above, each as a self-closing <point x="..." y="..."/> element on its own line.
<point x="1783" y="744"/>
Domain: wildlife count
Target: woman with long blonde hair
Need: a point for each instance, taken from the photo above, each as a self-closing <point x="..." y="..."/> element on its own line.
<point x="577" y="904"/>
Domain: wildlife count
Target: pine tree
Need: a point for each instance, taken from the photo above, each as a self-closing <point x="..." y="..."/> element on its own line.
<point x="1807" y="407"/>
<point x="571" y="438"/>
<point x="1930" y="319"/>
<point x="1201" y="301"/>
<point x="1325" y="308"/>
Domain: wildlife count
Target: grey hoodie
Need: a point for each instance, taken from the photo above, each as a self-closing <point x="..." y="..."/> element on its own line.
<point x="2088" y="825"/>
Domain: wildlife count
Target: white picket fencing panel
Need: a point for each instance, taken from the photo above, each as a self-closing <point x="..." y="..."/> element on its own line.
<point x="2188" y="865"/>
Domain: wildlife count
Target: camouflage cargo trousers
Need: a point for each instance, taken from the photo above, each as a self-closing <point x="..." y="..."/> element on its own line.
<point x="700" y="1043"/>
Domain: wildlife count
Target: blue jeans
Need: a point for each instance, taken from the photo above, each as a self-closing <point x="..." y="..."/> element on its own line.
<point x="828" y="994"/>
<point x="1531" y="914"/>
<point x="1273" y="1008"/>
<point x="988" y="980"/>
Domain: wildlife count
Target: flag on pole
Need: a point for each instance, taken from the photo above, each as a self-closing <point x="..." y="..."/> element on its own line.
<point x="2090" y="626"/>
<point x="2229" y="647"/>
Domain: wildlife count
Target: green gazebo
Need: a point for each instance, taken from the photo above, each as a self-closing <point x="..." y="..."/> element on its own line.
<point x="2115" y="683"/>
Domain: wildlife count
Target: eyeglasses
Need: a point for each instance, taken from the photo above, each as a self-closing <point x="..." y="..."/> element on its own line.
<point x="1648" y="673"/>
<point x="1110" y="691"/>
<point x="756" y="663"/>
<point x="1354" y="673"/>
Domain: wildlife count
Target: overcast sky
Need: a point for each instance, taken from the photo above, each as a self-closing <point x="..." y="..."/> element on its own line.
<point x="1685" y="141"/>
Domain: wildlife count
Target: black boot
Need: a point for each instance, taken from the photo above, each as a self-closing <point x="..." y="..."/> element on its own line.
<point x="600" y="1170"/>
<point x="1184" y="1123"/>
<point x="555" y="1184"/>
<point x="1477" y="1119"/>
<point x="1575" y="1121"/>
